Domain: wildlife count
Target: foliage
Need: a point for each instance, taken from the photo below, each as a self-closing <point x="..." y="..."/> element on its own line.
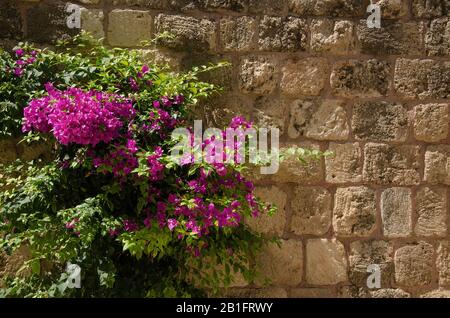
<point x="112" y="201"/>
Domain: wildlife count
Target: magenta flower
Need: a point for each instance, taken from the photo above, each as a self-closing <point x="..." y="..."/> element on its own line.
<point x="172" y="224"/>
<point x="130" y="226"/>
<point x="19" y="52"/>
<point x="18" y="71"/>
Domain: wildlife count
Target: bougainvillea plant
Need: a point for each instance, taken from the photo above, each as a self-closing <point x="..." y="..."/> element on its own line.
<point x="112" y="201"/>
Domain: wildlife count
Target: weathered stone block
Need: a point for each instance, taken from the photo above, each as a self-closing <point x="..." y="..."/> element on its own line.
<point x="345" y="165"/>
<point x="270" y="225"/>
<point x="385" y="164"/>
<point x="321" y="120"/>
<point x="394" y="9"/>
<point x="365" y="253"/>
<point x="271" y="113"/>
<point x="268" y="292"/>
<point x="282" y="34"/>
<point x="439" y="293"/>
<point x="431" y="122"/>
<point x="218" y="112"/>
<point x="92" y="22"/>
<point x="10" y="20"/>
<point x="431" y="209"/>
<point x="338" y="8"/>
<point x="414" y="264"/>
<point x="127" y="28"/>
<point x="292" y="170"/>
<point x="380" y="121"/>
<point x="189" y="33"/>
<point x="326" y="263"/>
<point x="148" y="4"/>
<point x="437" y="164"/>
<point x="422" y="78"/>
<point x="304" y="77"/>
<point x="357" y="78"/>
<point x="429" y="8"/>
<point x="437" y="39"/>
<point x="443" y="263"/>
<point x="283" y="265"/>
<point x="354" y="212"/>
<point x="389" y="293"/>
<point x="206" y="5"/>
<point x="404" y="38"/>
<point x="311" y="211"/>
<point x="47" y="22"/>
<point x="396" y="212"/>
<point x="311" y="293"/>
<point x="267" y="6"/>
<point x="237" y="33"/>
<point x="257" y="76"/>
<point x="336" y="37"/>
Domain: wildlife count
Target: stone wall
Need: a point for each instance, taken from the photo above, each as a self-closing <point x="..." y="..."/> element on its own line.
<point x="377" y="98"/>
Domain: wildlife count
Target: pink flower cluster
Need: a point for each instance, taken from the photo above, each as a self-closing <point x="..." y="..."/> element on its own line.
<point x="23" y="60"/>
<point x="76" y="116"/>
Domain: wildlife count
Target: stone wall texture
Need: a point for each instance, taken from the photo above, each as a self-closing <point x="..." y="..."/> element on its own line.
<point x="377" y="98"/>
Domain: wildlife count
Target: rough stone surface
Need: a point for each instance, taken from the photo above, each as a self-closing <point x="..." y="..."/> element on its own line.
<point x="422" y="78"/>
<point x="326" y="120"/>
<point x="414" y="264"/>
<point x="431" y="210"/>
<point x="271" y="292"/>
<point x="237" y="33"/>
<point x="292" y="171"/>
<point x="339" y="8"/>
<point x="92" y="22"/>
<point x="304" y="77"/>
<point x="311" y="211"/>
<point x="396" y="212"/>
<point x="386" y="165"/>
<point x="257" y="76"/>
<point x="345" y="165"/>
<point x="270" y="225"/>
<point x="431" y="122"/>
<point x="326" y="263"/>
<point x="47" y="23"/>
<point x="440" y="293"/>
<point x="189" y="33"/>
<point x="335" y="37"/>
<point x="283" y="265"/>
<point x="365" y="253"/>
<point x="354" y="212"/>
<point x="391" y="38"/>
<point x="437" y="164"/>
<point x="389" y="293"/>
<point x="129" y="27"/>
<point x="394" y="9"/>
<point x="271" y="113"/>
<point x="311" y="293"/>
<point x="358" y="78"/>
<point x="437" y="39"/>
<point x="10" y="20"/>
<point x="443" y="263"/>
<point x="429" y="8"/>
<point x="282" y="34"/>
<point x="381" y="121"/>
